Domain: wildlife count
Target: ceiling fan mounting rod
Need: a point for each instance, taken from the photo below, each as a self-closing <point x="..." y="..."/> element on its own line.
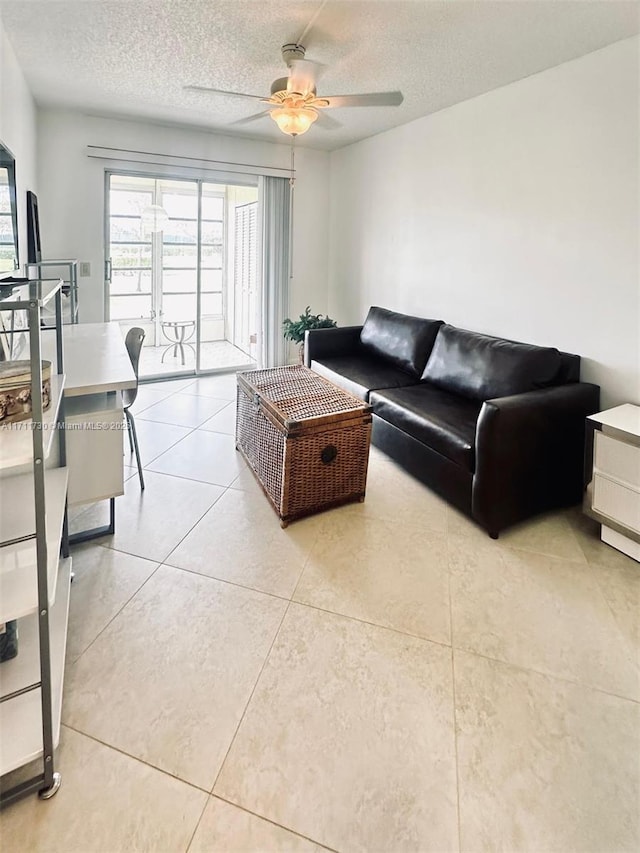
<point x="292" y="51"/>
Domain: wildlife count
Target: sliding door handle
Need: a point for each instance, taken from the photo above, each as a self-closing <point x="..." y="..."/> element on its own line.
<point x="107" y="270"/>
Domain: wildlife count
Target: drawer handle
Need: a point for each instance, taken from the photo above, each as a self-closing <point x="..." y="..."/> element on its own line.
<point x="328" y="454"/>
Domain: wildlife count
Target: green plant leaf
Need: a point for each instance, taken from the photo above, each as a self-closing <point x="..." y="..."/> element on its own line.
<point x="294" y="329"/>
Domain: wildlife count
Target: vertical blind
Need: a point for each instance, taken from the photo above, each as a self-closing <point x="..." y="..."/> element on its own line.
<point x="245" y="266"/>
<point x="275" y="212"/>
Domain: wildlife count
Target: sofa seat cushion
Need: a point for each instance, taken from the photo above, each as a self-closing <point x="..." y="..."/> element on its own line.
<point x="443" y="421"/>
<point x="400" y="339"/>
<point x="358" y="374"/>
<point x="481" y="367"/>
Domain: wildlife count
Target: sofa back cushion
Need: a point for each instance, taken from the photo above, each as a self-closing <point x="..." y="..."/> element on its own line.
<point x="481" y="367"/>
<point x="400" y="339"/>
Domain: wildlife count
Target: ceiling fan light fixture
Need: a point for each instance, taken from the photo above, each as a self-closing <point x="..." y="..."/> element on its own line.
<point x="294" y="121"/>
<point x="153" y="219"/>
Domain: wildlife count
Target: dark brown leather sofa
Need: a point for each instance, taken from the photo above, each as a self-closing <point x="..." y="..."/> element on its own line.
<point x="495" y="426"/>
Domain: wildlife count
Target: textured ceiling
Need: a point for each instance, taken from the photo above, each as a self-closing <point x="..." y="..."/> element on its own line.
<point x="132" y="57"/>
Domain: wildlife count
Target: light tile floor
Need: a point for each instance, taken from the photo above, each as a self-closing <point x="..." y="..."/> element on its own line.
<point x="381" y="677"/>
<point x="161" y="360"/>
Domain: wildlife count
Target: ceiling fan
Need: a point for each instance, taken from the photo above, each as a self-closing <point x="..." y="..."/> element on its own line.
<point x="294" y="101"/>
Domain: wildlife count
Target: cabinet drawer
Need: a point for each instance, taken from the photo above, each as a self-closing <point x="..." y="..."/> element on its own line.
<point x="618" y="502"/>
<point x="617" y="460"/>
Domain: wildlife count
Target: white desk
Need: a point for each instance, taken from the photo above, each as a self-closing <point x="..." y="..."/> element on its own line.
<point x="97" y="369"/>
<point x="95" y="358"/>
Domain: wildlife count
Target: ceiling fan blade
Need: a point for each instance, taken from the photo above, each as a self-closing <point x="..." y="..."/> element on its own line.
<point x="327" y="122"/>
<point x="303" y="75"/>
<point x="222" y="92"/>
<point x="372" y="99"/>
<point x="249" y="119"/>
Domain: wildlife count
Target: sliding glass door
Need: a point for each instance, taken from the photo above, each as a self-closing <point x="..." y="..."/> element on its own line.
<point x="179" y="266"/>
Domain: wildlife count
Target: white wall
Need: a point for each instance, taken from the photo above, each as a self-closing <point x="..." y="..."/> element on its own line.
<point x="71" y="194"/>
<point x="18" y="131"/>
<point x="514" y="214"/>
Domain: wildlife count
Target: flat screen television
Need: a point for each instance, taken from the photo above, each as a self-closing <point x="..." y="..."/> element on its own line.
<point x="34" y="254"/>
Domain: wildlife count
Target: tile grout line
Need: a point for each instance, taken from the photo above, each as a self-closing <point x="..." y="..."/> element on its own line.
<point x="196" y="523"/>
<point x="274" y="823"/>
<point x="183" y="425"/>
<point x="453" y="688"/>
<point x="305" y="564"/>
<point x="136" y="758"/>
<point x="402" y="633"/>
<point x="248" y="702"/>
<point x="306" y="604"/>
<point x="499" y="546"/>
<point x="519" y="667"/>
<point x="100" y="540"/>
<point x="198" y="822"/>
<point x="181" y="393"/>
<point x="128" y="601"/>
<point x="505" y="543"/>
<point x="148" y="420"/>
<point x="455" y="744"/>
<point x="225" y="581"/>
<point x="268" y="655"/>
<point x="111" y="746"/>
<point x="212" y="398"/>
<point x="159" y="564"/>
<point x="157" y="386"/>
<point x="191" y="431"/>
<point x="142" y="418"/>
<point x="215" y="431"/>
<point x="290" y="601"/>
<point x="371" y="624"/>
<point x="550" y="676"/>
<point x="601" y="589"/>
<point x="161" y="770"/>
<point x="553" y="676"/>
<point x="171" y="446"/>
<point x="188" y="479"/>
<point x="146" y="465"/>
<point x="155" y="402"/>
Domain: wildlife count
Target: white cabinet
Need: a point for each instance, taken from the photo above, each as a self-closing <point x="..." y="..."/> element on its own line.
<point x="34" y="579"/>
<point x="94" y="447"/>
<point x="98" y="370"/>
<point x="613" y="496"/>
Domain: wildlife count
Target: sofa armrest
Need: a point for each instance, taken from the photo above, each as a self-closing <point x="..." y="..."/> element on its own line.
<point x="326" y="343"/>
<point x="530" y="453"/>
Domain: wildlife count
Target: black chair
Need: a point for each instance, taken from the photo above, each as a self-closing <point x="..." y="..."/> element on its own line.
<point x="133" y="343"/>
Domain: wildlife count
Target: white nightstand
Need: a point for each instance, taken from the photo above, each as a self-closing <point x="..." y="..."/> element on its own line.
<point x="613" y="495"/>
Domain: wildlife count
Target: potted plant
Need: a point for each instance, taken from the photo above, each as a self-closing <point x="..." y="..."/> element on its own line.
<point x="294" y="329"/>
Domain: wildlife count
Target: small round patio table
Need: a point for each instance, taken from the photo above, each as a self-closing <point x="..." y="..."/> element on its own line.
<point x="179" y="333"/>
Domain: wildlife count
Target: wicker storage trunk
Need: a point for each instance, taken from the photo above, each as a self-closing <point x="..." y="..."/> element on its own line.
<point x="306" y="440"/>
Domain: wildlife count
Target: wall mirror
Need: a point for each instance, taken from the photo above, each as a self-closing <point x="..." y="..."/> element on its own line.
<point x="8" y="213"/>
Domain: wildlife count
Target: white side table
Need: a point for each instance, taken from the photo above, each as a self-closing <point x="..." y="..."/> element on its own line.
<point x="613" y="496"/>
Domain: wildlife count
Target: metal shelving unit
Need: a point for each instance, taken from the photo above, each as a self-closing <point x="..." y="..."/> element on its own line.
<point x="67" y="269"/>
<point x="34" y="580"/>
